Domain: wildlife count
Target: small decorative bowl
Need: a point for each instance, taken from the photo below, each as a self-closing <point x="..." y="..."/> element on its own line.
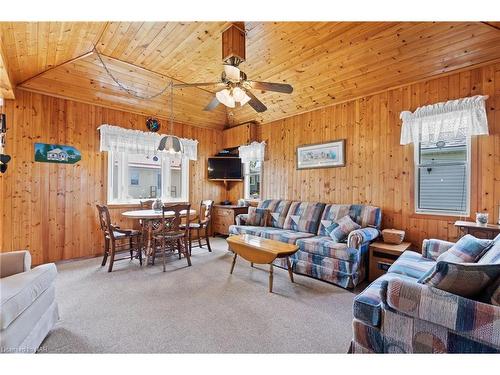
<point x="482" y="218"/>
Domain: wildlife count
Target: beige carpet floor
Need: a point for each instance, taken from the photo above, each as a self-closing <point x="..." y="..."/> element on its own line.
<point x="198" y="309"/>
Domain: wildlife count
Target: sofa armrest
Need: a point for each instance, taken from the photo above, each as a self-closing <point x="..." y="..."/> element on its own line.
<point x="433" y="248"/>
<point x="462" y="315"/>
<point x="14" y="262"/>
<point x="361" y="236"/>
<point x="241" y="219"/>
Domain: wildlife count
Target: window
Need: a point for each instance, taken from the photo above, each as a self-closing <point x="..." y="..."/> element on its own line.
<point x="443" y="177"/>
<point x="133" y="177"/>
<point x="253" y="178"/>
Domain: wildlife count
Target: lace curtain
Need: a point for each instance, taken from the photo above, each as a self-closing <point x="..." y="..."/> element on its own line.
<point x="444" y="121"/>
<point x="252" y="152"/>
<point x="115" y="138"/>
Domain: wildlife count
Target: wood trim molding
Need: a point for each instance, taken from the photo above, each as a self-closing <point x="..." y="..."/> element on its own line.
<point x="6" y="86"/>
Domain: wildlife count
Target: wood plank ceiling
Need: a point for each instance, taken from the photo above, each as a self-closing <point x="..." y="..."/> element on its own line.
<point x="326" y="62"/>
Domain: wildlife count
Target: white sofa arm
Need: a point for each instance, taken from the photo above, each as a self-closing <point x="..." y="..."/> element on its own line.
<point x="14" y="262"/>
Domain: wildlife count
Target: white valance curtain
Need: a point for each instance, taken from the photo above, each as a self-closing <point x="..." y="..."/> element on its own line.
<point x="444" y="121"/>
<point x="252" y="152"/>
<point x="115" y="138"/>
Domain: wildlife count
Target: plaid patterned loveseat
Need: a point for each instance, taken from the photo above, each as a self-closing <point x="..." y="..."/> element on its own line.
<point x="396" y="314"/>
<point x="319" y="256"/>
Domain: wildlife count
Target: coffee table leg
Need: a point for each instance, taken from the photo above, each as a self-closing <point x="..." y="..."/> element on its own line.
<point x="234" y="262"/>
<point x="289" y="265"/>
<point x="251" y="264"/>
<point x="270" y="278"/>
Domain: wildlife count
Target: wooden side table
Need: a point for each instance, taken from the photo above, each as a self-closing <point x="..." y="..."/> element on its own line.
<point x="487" y="231"/>
<point x="382" y="256"/>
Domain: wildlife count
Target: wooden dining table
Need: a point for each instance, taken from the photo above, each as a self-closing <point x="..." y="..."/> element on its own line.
<point x="150" y="220"/>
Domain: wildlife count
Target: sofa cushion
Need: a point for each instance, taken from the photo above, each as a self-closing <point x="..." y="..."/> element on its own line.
<point x="19" y="291"/>
<point x="246" y="229"/>
<point x="331" y="213"/>
<point x="411" y="264"/>
<point x="283" y="235"/>
<point x="278" y="210"/>
<point x="463" y="279"/>
<point x="492" y="256"/>
<point x="325" y="246"/>
<point x="257" y="216"/>
<point x="366" y="216"/>
<point x="367" y="305"/>
<point x="304" y="216"/>
<point x="340" y="229"/>
<point x="467" y="249"/>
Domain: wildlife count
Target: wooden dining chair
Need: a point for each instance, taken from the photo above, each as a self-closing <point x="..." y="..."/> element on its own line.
<point x="147" y="203"/>
<point x="170" y="236"/>
<point x="117" y="240"/>
<point x="202" y="224"/>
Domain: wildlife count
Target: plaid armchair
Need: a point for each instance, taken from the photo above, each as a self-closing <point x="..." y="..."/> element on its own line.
<point x="396" y="314"/>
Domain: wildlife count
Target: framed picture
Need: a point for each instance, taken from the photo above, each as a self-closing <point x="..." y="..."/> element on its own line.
<point x="321" y="155"/>
<point x="50" y="153"/>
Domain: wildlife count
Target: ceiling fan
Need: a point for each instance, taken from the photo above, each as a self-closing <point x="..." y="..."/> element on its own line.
<point x="234" y="87"/>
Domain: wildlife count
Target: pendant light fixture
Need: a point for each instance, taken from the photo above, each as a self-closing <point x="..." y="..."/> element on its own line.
<point x="170" y="143"/>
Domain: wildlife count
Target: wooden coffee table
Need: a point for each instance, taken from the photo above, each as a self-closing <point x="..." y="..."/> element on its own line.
<point x="261" y="251"/>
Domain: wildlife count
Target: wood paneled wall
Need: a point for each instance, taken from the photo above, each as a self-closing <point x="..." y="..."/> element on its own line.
<point x="50" y="208"/>
<point x="379" y="170"/>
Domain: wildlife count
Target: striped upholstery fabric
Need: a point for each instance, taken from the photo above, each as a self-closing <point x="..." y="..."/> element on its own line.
<point x="339" y="230"/>
<point x="325" y="246"/>
<point x="412" y="264"/>
<point x="360" y="236"/>
<point x="397" y="314"/>
<point x="278" y="210"/>
<point x="367" y="305"/>
<point x="492" y="256"/>
<point x="367" y="339"/>
<point x="433" y="248"/>
<point x="467" y="249"/>
<point x="468" y="322"/>
<point x="327" y="269"/>
<point x="335" y="264"/>
<point x="283" y="235"/>
<point x="363" y="215"/>
<point x="304" y="216"/>
<point x="463" y="279"/>
<point x="257" y="216"/>
<point x="246" y="229"/>
<point x="366" y="216"/>
<point x="331" y="213"/>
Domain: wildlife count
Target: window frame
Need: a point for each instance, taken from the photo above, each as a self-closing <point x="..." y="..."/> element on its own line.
<point x="246" y="180"/>
<point x="112" y="155"/>
<point x="417" y="165"/>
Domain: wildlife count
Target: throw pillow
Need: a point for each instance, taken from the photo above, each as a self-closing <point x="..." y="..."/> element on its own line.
<point x="463" y="279"/>
<point x="257" y="216"/>
<point x="339" y="230"/>
<point x="492" y="256"/>
<point x="467" y="249"/>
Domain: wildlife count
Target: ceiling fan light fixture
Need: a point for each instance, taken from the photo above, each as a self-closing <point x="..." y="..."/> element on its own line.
<point x="238" y="94"/>
<point x="225" y="97"/>
<point x="232" y="73"/>
<point x="245" y="99"/>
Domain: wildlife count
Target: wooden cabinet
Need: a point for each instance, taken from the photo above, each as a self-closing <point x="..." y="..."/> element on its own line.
<point x="382" y="256"/>
<point x="224" y="216"/>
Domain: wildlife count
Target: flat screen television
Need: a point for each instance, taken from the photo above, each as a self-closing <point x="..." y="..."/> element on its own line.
<point x="225" y="168"/>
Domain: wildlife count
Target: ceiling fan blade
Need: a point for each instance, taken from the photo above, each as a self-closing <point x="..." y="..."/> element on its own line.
<point x="213" y="103"/>
<point x="182" y="85"/>
<point x="271" y="86"/>
<point x="256" y="103"/>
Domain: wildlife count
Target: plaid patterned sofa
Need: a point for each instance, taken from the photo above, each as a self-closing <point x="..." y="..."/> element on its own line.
<point x="305" y="223"/>
<point x="396" y="314"/>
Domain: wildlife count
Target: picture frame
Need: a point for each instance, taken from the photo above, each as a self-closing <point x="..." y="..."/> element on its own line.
<point x="329" y="154"/>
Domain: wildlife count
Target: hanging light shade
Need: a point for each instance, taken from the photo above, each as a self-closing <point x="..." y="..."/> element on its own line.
<point x="225" y="98"/>
<point x="170" y="144"/>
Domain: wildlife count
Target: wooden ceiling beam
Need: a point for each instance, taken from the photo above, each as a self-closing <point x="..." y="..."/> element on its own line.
<point x="6" y="86"/>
